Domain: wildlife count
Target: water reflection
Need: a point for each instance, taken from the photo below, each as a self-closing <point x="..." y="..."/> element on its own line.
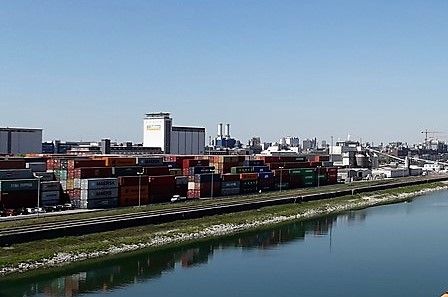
<point x="121" y="272"/>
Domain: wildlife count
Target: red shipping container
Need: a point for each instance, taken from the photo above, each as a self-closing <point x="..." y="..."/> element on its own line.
<point x="179" y="160"/>
<point x="119" y="161"/>
<point x="12" y="164"/>
<point x="156" y="171"/>
<point x="333" y="170"/>
<point x="93" y="172"/>
<point x="18" y="199"/>
<point x="192" y="163"/>
<point x="73" y="164"/>
<point x="315" y="164"/>
<point x="133" y="180"/>
<point x="161" y="188"/>
<point x="133" y="195"/>
<point x="248" y="176"/>
<point x="230" y="177"/>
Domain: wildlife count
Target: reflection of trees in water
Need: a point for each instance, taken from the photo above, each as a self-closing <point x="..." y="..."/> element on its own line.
<point x="121" y="272"/>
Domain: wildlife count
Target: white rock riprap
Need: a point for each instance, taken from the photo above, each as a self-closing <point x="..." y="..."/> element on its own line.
<point x="176" y="236"/>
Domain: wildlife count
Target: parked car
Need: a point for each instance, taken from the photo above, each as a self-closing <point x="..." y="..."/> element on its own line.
<point x="178" y="198"/>
<point x="68" y="206"/>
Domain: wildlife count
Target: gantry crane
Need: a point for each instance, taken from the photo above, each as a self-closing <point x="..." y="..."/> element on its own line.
<point x="426" y="132"/>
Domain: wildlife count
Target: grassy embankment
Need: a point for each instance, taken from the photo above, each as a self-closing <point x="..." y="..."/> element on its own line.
<point x="181" y="232"/>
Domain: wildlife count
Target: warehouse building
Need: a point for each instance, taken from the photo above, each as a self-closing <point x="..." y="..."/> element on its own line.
<point x="20" y="141"/>
<point x="158" y="131"/>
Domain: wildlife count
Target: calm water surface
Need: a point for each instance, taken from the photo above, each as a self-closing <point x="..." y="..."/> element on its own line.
<point x="395" y="250"/>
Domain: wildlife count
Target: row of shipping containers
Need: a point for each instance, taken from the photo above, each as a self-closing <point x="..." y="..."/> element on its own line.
<point x="108" y="182"/>
<point x="25" y="183"/>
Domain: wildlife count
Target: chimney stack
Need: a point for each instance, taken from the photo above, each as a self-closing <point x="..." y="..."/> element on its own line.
<point x="220" y="130"/>
<point x="227" y="133"/>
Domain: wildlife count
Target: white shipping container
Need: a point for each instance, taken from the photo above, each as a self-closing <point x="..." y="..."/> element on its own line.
<point x="191" y="185"/>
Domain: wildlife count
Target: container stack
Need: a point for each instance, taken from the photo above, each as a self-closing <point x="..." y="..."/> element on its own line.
<point x="161" y="188"/>
<point x="177" y="161"/>
<point x="50" y="193"/>
<point x="133" y="190"/>
<point x="18" y="193"/>
<point x="84" y="173"/>
<point x="303" y="177"/>
<point x="223" y="164"/>
<point x="230" y="184"/>
<point x="321" y="176"/>
<point x="265" y="181"/>
<point x="181" y="186"/>
<point x="193" y="166"/>
<point x="248" y="183"/>
<point x="98" y="193"/>
<point x="332" y="175"/>
<point x="204" y="185"/>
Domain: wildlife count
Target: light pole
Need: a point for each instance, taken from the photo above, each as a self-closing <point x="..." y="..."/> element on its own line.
<point x="281" y="177"/>
<point x="211" y="190"/>
<point x="318" y="175"/>
<point x="38" y="194"/>
<point x="139" y="187"/>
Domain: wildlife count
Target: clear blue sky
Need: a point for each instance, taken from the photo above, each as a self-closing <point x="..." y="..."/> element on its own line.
<point x="91" y="69"/>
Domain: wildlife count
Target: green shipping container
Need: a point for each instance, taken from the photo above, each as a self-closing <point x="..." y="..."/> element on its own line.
<point x="61" y="174"/>
<point x="301" y="171"/>
<point x="284" y="186"/>
<point x="238" y="170"/>
<point x="18" y="185"/>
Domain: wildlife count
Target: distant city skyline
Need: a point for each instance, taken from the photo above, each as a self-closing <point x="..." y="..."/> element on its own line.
<point x="89" y="70"/>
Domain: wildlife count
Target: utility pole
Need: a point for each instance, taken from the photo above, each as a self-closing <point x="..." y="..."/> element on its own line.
<point x="281" y="178"/>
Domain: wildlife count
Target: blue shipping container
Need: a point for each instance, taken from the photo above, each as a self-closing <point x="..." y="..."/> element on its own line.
<point x="261" y="169"/>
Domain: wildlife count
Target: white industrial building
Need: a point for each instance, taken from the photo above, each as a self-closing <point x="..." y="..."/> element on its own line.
<point x="158" y="131"/>
<point x="20" y="141"/>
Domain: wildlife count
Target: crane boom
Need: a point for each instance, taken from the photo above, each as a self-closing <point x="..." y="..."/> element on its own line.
<point x="403" y="160"/>
<point x="426" y="132"/>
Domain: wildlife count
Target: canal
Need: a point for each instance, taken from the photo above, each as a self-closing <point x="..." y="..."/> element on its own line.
<point x="395" y="250"/>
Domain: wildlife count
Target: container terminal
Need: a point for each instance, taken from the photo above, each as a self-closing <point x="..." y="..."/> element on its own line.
<point x="174" y="164"/>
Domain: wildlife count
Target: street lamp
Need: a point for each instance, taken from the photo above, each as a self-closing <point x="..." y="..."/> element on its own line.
<point x="38" y="194"/>
<point x="318" y="175"/>
<point x="211" y="191"/>
<point x="281" y="177"/>
<point x="139" y="187"/>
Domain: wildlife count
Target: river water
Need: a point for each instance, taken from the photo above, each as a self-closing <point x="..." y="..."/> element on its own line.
<point x="394" y="250"/>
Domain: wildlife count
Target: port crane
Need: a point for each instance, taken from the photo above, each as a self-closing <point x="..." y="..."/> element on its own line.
<point x="404" y="160"/>
<point x="426" y="132"/>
